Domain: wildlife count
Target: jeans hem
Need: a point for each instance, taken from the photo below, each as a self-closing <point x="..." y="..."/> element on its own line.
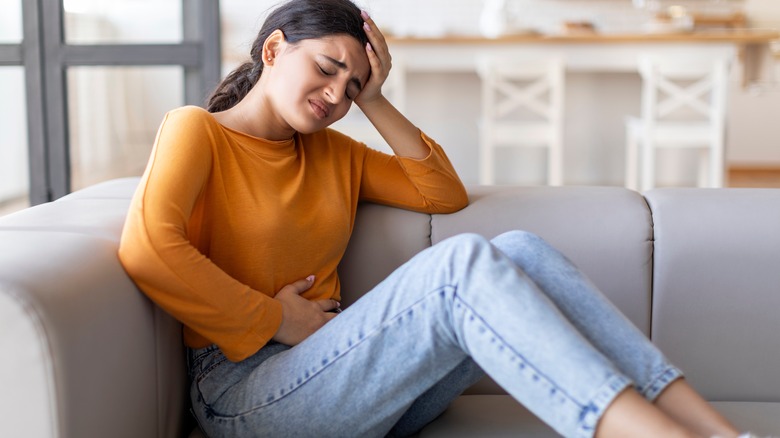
<point x="660" y="382"/>
<point x="591" y="414"/>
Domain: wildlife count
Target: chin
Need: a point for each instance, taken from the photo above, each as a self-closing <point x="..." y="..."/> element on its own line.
<point x="309" y="128"/>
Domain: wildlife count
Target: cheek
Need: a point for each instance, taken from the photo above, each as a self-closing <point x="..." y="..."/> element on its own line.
<point x="341" y="111"/>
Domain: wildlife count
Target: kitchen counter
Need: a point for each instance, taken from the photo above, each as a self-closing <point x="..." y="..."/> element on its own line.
<point x="434" y="81"/>
<point x="590" y="52"/>
<point x="738" y="36"/>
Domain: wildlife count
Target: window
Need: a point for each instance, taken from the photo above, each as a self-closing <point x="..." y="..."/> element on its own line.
<point x="122" y="21"/>
<point x="14" y="173"/>
<point x="114" y="116"/>
<point x="77" y="77"/>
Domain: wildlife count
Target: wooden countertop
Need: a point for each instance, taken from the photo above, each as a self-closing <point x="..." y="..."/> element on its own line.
<point x="737" y="36"/>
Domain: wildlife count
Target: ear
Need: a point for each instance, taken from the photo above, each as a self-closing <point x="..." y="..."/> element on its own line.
<point x="273" y="46"/>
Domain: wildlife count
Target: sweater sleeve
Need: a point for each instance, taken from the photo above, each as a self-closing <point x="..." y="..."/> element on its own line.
<point x="158" y="255"/>
<point x="428" y="185"/>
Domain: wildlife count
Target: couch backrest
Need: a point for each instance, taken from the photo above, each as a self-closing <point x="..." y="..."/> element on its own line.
<point x="716" y="289"/>
<point x="92" y="355"/>
<point x="605" y="231"/>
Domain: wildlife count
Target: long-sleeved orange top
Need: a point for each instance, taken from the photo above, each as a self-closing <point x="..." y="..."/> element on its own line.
<point x="222" y="220"/>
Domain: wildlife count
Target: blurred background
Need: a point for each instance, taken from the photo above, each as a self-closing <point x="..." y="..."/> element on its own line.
<point x="114" y="111"/>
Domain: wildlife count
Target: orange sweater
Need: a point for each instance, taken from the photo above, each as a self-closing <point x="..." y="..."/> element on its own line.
<point x="222" y="220"/>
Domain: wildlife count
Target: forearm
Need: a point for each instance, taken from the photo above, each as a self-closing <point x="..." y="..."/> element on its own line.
<point x="399" y="133"/>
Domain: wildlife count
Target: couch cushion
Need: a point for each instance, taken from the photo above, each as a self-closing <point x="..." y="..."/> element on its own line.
<point x="120" y="188"/>
<point x="487" y="416"/>
<point x="717" y="289"/>
<point x="383" y="239"/>
<point x="501" y="416"/>
<point x="98" y="217"/>
<point x="763" y="419"/>
<point x="606" y="231"/>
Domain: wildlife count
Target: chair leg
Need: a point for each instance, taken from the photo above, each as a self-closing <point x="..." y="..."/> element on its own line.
<point x="632" y="164"/>
<point x="647" y="172"/>
<point x="717" y="164"/>
<point x="555" y="164"/>
<point x="486" y="157"/>
<point x="705" y="173"/>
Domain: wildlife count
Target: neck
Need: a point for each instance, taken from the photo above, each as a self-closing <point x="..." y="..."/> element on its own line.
<point x="254" y="115"/>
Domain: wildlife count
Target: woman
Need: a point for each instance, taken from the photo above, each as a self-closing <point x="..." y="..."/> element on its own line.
<point x="244" y="212"/>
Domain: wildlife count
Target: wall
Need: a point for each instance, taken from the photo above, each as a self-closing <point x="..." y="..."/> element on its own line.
<point x="447" y="107"/>
<point x="754" y="134"/>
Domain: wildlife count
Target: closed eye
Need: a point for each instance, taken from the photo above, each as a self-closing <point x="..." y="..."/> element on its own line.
<point x="354" y="81"/>
<point x="325" y="72"/>
<point x="328" y="73"/>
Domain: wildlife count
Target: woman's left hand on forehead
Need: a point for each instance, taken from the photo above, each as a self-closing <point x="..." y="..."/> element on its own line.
<point x="378" y="57"/>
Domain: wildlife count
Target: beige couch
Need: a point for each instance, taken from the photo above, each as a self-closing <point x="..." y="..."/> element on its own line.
<point x="87" y="355"/>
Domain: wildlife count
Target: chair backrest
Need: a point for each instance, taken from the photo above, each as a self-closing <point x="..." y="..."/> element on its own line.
<point x="692" y="85"/>
<point x="532" y="87"/>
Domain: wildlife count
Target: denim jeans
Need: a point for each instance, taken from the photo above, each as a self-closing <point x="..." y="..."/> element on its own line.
<point x="513" y="307"/>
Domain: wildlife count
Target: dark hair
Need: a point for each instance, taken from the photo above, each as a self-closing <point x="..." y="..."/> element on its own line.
<point x="298" y="20"/>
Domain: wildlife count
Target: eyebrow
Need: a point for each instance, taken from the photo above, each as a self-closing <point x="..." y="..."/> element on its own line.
<point x="355" y="81"/>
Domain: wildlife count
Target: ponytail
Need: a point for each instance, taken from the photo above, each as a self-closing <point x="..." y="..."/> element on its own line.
<point x="234" y="87"/>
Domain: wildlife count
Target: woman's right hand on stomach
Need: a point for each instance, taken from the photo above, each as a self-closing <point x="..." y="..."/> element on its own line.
<point x="301" y="317"/>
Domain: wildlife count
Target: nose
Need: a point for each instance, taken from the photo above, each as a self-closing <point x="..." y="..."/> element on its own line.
<point x="335" y="92"/>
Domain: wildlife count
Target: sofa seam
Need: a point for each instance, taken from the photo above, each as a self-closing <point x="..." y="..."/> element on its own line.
<point x="651" y="215"/>
<point x="430" y="230"/>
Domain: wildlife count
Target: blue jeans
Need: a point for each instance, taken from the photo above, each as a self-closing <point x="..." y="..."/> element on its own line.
<point x="390" y="363"/>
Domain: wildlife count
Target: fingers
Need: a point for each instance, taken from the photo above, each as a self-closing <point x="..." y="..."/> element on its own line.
<point x="299" y="286"/>
<point x="329" y="305"/>
<point x="377" y="43"/>
<point x="372" y="31"/>
<point x="302" y="286"/>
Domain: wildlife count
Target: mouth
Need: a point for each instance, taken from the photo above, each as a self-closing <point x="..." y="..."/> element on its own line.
<point x="320" y="109"/>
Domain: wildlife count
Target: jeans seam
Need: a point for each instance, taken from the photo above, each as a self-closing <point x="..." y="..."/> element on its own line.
<point x="360" y="341"/>
<point x="517" y="354"/>
<point x="205" y="373"/>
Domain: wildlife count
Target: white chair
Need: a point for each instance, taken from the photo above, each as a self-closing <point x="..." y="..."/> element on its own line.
<point x="356" y="125"/>
<point x="522" y="106"/>
<point x="671" y="87"/>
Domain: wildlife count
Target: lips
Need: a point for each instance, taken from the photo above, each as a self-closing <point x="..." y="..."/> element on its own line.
<point x="320" y="109"/>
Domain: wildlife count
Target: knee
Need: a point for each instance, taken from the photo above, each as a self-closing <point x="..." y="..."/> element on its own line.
<point x="466" y="245"/>
<point x="468" y="241"/>
<point x="518" y="239"/>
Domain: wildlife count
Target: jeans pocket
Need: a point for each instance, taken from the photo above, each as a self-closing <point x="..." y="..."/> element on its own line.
<point x="205" y="364"/>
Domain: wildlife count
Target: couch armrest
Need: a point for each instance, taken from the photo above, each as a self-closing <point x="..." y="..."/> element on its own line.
<point x="88" y="349"/>
<point x="86" y="354"/>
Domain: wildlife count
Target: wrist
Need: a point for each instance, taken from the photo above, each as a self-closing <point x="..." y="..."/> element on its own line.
<point x="369" y="103"/>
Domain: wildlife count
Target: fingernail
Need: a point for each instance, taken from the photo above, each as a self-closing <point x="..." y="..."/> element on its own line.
<point x="368" y="46"/>
<point x="310" y="278"/>
<point x="366" y="27"/>
<point x="364" y="14"/>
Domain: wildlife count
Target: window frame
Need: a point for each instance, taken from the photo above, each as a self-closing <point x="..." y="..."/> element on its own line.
<point x="45" y="57"/>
